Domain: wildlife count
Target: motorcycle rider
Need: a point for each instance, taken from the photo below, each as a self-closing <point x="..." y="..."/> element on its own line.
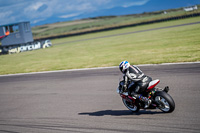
<point x="135" y="82"/>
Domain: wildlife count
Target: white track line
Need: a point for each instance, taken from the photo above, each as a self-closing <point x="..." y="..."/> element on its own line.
<point x="96" y="68"/>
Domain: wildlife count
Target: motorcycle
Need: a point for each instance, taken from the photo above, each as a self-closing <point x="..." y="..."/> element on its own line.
<point x="159" y="97"/>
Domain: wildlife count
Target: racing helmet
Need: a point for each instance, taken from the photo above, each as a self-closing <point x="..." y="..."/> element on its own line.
<point x="123" y="66"/>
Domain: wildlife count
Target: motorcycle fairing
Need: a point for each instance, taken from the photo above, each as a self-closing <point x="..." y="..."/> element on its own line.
<point x="152" y="84"/>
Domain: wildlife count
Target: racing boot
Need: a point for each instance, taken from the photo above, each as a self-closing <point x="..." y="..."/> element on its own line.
<point x="135" y="95"/>
<point x="146" y="100"/>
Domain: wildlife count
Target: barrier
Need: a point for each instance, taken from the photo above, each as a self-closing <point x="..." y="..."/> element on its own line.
<point x="25" y="47"/>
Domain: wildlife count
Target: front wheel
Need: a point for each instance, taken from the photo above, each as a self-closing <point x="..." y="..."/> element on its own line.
<point x="132" y="107"/>
<point x="165" y="102"/>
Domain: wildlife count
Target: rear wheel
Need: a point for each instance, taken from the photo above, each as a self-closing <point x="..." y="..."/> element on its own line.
<point x="165" y="101"/>
<point x="132" y="107"/>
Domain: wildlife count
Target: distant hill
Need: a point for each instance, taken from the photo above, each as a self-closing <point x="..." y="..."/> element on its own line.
<point x="150" y="6"/>
<point x="105" y="22"/>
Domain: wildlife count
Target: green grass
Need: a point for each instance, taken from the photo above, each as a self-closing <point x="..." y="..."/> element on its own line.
<point x="180" y="44"/>
<point x="125" y="30"/>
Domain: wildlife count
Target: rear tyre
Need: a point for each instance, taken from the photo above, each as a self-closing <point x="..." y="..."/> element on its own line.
<point x="132" y="107"/>
<point x="165" y="101"/>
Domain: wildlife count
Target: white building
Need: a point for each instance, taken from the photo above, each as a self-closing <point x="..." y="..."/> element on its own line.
<point x="187" y="9"/>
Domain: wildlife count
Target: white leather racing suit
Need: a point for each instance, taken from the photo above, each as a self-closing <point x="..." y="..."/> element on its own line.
<point x="135" y="81"/>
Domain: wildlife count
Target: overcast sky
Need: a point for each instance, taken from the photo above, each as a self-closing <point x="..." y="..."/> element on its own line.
<point x="36" y="11"/>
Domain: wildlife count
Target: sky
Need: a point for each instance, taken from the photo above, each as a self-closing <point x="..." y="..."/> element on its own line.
<point x="40" y="12"/>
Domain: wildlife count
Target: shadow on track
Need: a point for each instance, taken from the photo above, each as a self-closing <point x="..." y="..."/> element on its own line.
<point x="119" y="113"/>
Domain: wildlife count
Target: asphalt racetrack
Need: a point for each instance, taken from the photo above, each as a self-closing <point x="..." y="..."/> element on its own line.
<point x="86" y="101"/>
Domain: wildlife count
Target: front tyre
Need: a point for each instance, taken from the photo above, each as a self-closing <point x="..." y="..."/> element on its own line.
<point x="165" y="102"/>
<point x="132" y="107"/>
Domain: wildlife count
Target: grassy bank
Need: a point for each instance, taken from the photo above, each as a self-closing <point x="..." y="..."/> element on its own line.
<point x="179" y="44"/>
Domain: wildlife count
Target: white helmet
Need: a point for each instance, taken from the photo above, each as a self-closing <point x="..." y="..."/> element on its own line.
<point x="124" y="65"/>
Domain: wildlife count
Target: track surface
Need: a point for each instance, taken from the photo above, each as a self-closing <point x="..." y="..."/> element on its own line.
<point x="87" y="102"/>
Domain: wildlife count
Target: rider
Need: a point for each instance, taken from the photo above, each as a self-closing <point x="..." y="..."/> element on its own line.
<point x="135" y="82"/>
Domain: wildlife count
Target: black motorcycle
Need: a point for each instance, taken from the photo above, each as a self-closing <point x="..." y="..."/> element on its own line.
<point x="160" y="98"/>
